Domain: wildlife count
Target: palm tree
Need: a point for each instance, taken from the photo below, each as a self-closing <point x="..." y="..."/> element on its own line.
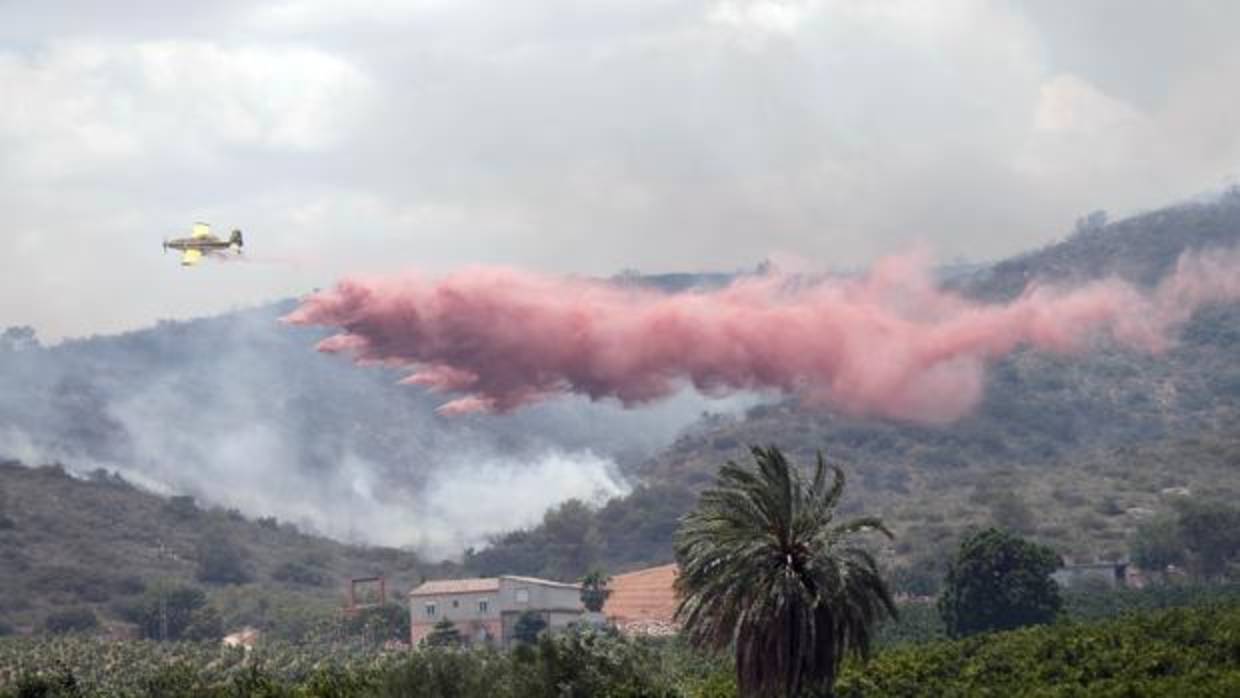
<point x="765" y="570"/>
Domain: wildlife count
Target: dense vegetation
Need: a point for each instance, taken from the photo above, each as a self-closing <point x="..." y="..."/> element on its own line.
<point x="1199" y="535"/>
<point x="1181" y="651"/>
<point x="999" y="582"/>
<point x="1092" y="443"/>
<point x="99" y="546"/>
<point x="920" y="622"/>
<point x="580" y="664"/>
<point x="1088" y="506"/>
<point x="1178" y="652"/>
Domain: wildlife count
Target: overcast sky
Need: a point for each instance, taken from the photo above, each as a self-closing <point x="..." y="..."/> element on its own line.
<point x="582" y="137"/>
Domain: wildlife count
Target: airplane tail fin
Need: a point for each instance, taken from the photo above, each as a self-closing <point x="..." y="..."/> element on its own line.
<point x="235" y="242"/>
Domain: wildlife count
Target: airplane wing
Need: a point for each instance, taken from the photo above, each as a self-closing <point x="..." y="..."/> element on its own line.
<point x="191" y="258"/>
<point x="201" y="230"/>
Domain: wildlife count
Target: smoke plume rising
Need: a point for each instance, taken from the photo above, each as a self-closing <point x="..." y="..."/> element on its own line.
<point x="234" y="411"/>
<point x="889" y="343"/>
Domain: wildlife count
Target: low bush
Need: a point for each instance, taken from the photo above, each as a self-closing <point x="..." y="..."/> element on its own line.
<point x="71" y="621"/>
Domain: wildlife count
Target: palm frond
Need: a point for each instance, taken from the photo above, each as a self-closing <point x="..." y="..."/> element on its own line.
<point x="765" y="571"/>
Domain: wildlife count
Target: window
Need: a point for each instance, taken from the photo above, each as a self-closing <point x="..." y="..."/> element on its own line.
<point x="430" y="608"/>
<point x="456" y="603"/>
<point x="523" y="595"/>
<point x="482" y="606"/>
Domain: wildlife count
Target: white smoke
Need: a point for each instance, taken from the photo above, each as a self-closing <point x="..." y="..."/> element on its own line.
<point x="237" y="413"/>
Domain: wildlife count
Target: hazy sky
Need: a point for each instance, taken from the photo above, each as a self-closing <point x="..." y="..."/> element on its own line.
<point x="572" y="136"/>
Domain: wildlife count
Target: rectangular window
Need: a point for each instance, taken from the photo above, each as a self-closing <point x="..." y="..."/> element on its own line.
<point x="523" y="595"/>
<point x="456" y="603"/>
<point x="482" y="606"/>
<point x="430" y="609"/>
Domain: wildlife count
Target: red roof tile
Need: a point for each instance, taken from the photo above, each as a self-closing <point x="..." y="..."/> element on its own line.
<point x="643" y="597"/>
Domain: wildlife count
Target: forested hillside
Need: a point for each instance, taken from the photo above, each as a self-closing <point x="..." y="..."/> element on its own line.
<point x="100" y="545"/>
<point x="240" y="413"/>
<point x="1072" y="450"/>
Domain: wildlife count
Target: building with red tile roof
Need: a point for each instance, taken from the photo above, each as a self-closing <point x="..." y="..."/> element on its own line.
<point x="643" y="602"/>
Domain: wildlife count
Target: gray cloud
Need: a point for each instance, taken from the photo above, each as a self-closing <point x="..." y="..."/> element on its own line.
<point x="578" y="137"/>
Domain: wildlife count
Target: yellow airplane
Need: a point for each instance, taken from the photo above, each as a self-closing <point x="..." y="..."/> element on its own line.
<point x="201" y="243"/>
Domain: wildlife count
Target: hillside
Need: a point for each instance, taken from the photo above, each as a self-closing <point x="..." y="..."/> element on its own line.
<point x="99" y="543"/>
<point x="240" y="410"/>
<point x="1141" y="249"/>
<point x="1073" y="450"/>
<point x="240" y="413"/>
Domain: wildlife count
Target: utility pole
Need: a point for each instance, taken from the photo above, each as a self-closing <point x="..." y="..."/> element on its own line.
<point x="163" y="596"/>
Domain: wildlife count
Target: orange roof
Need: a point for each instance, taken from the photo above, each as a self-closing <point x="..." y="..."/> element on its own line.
<point x="642" y="597"/>
<point x="456" y="586"/>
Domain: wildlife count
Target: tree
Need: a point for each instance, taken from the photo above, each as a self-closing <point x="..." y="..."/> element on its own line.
<point x="1096" y="220"/>
<point x="380" y="623"/>
<point x="71" y="620"/>
<point x="174" y="613"/>
<point x="1210" y="531"/>
<point x="573" y="541"/>
<point x="18" y="338"/>
<point x="220" y="561"/>
<point x="298" y="573"/>
<point x="1009" y="510"/>
<point x="1203" y="535"/>
<point x="1157" y="544"/>
<point x="766" y="570"/>
<point x="205" y="625"/>
<point x="594" y="591"/>
<point x="6" y="522"/>
<point x="528" y="626"/>
<point x="444" y="634"/>
<point x="182" y="508"/>
<point x="999" y="581"/>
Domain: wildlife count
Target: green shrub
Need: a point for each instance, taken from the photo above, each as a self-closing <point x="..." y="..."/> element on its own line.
<point x="220" y="561"/>
<point x="298" y="573"/>
<point x="528" y="626"/>
<point x="173" y="613"/>
<point x="444" y="634"/>
<point x="57" y="684"/>
<point x="182" y="508"/>
<point x="1179" y="652"/>
<point x="1187" y="651"/>
<point x="999" y="581"/>
<point x="71" y="620"/>
<point x="380" y="623"/>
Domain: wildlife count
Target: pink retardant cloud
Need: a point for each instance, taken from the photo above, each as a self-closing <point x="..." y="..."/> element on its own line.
<point x="890" y="343"/>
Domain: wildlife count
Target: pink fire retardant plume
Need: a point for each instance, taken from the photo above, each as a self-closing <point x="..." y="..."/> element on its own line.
<point x="890" y="343"/>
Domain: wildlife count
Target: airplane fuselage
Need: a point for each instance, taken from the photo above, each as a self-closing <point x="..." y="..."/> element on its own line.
<point x="200" y="244"/>
<point x="203" y="244"/>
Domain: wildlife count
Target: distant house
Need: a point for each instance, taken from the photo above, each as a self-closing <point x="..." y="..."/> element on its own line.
<point x="1111" y="575"/>
<point x="485" y="610"/>
<point x="643" y="602"/>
